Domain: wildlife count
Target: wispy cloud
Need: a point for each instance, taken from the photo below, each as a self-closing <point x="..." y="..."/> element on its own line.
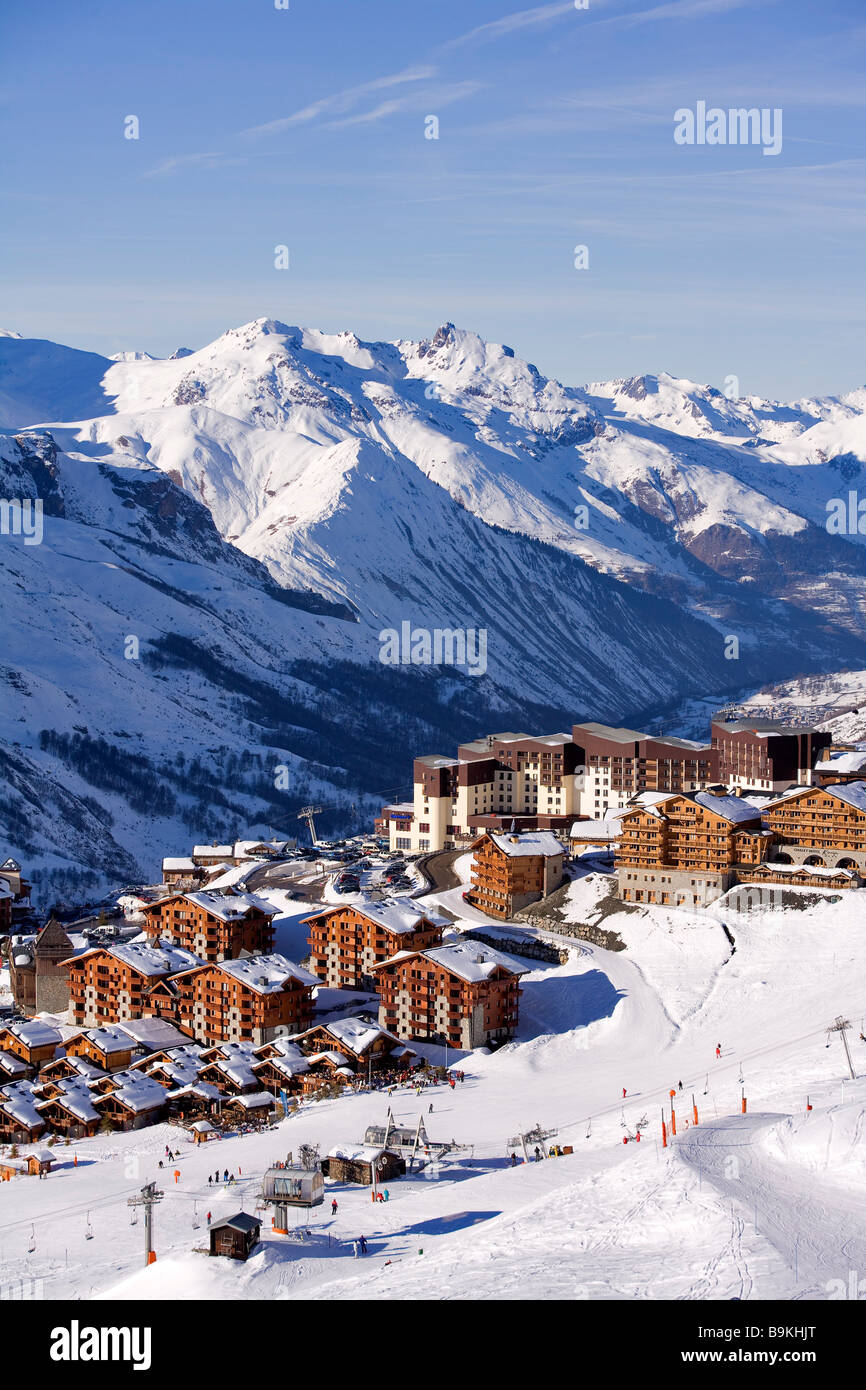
<point x="205" y="160"/>
<point x="426" y="99"/>
<point x="337" y="103"/>
<point x="538" y="16"/>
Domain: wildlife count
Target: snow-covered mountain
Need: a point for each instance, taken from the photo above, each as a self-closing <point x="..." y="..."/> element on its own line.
<point x="256" y="512"/>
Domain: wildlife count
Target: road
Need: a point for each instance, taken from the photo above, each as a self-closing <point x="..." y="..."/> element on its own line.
<point x="437" y="868"/>
<point x="289" y="876"/>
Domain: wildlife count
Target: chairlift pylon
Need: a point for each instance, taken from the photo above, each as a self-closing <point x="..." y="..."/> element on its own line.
<point x="32" y="1246"/>
<point x="88" y="1234"/>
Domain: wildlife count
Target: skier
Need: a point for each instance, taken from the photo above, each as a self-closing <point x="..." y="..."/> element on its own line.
<point x="514" y="1160"/>
<point x="679" y="1085"/>
<point x="226" y="1175"/>
<point x="430" y="1108"/>
<point x="334" y="1207"/>
<point x="355" y="1248"/>
<point x="385" y="1195"/>
<point x="537" y="1153"/>
<point x="363" y="1244"/>
<point x="624" y="1093"/>
<point x="718" y="1051"/>
<point x="208" y="1218"/>
<point x="160" y="1163"/>
<point x="209" y="1180"/>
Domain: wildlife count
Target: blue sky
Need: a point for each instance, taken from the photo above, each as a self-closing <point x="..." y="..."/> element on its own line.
<point x="305" y="127"/>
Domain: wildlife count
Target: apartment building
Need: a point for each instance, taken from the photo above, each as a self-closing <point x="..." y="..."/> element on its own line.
<point x="764" y="755"/>
<point x="465" y="994"/>
<point x="823" y="827"/>
<point x="511" y="871"/>
<point x="111" y="983"/>
<point x="543" y="783"/>
<point x="347" y="941"/>
<point x="213" y="925"/>
<point x="621" y="763"/>
<point x="685" y="850"/>
<point x="250" y="1000"/>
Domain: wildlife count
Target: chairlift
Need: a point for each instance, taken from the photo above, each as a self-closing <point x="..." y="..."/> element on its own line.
<point x="88" y="1234"/>
<point x="707" y="1084"/>
<point x="133" y="1216"/>
<point x="589" y="1128"/>
<point x="195" y="1221"/>
<point x="32" y="1246"/>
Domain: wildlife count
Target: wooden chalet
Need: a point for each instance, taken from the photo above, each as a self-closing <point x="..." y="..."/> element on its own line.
<point x="363" y="1045"/>
<point x="256" y="1109"/>
<point x="32" y="1040"/>
<point x="133" y="1101"/>
<point x="20" y="1121"/>
<point x="32" y="1164"/>
<point x="511" y="871"/>
<point x="109" y="1049"/>
<point x="348" y="940"/>
<point x="467" y="993"/>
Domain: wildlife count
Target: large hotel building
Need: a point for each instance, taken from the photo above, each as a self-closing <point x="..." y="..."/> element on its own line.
<point x="546" y="782"/>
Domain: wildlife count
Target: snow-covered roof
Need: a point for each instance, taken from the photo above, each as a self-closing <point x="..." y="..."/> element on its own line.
<point x="20" y="1106"/>
<point x="34" y="1033"/>
<point x="213" y="851"/>
<point x="108" y="1039"/>
<point x="75" y="1098"/>
<point x="843" y="762"/>
<point x="531" y="842"/>
<point x="470" y="960"/>
<point x="852" y="793"/>
<point x="152" y="957"/>
<point x="608" y="828"/>
<point x="186" y="864"/>
<point x="733" y="808"/>
<point x="203" y="1089"/>
<point x="288" y="1065"/>
<point x="356" y="1033"/>
<point x="266" y="974"/>
<point x="398" y="914"/>
<point x="137" y="1091"/>
<point x="153" y="1033"/>
<point x="621" y="735"/>
<point x="253" y="1101"/>
<point x="11" y="1065"/>
<point x="358" y="1153"/>
<point x="228" y="906"/>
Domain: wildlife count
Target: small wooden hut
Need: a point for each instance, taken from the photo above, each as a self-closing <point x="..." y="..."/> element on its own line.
<point x="236" y="1237"/>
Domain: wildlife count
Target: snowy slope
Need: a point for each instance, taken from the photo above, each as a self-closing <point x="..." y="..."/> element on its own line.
<point x="767" y="1205"/>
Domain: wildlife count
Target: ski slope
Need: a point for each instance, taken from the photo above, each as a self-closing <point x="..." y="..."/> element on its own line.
<point x="768" y="1205"/>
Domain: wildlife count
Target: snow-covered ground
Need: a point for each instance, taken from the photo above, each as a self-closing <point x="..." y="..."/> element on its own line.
<point x="764" y="1205"/>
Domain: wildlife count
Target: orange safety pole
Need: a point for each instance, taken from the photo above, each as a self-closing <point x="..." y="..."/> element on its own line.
<point x="673" y="1121"/>
<point x="744" y="1102"/>
<point x="694" y="1110"/>
<point x="664" y="1132"/>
